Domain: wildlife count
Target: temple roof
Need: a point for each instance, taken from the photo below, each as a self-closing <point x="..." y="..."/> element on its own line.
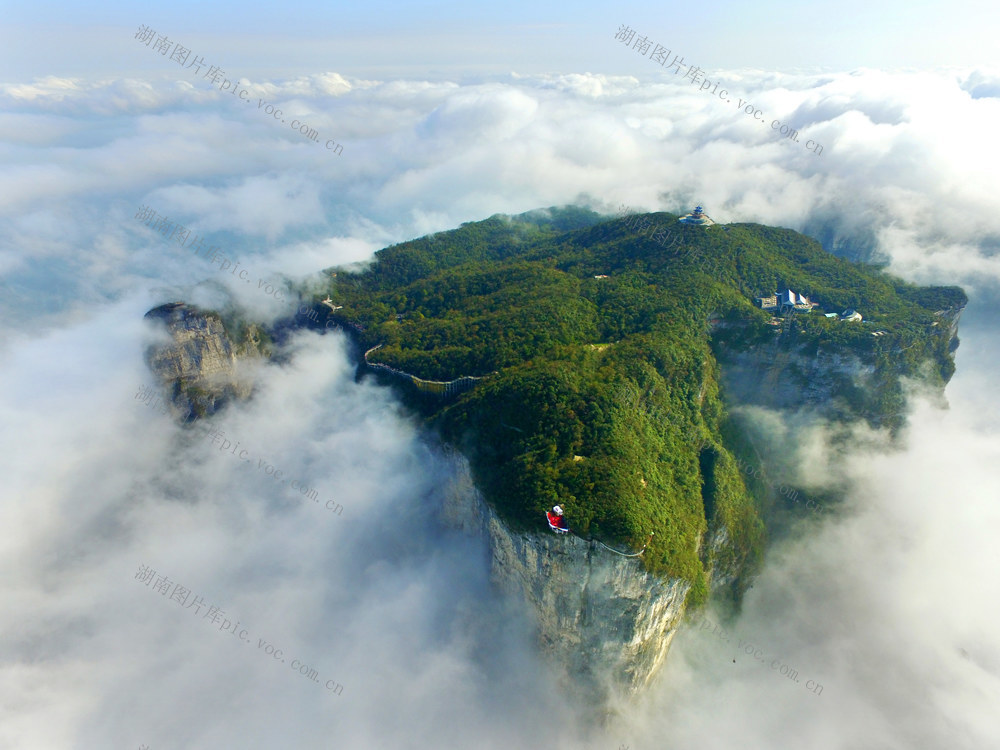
<point x="698" y="216"/>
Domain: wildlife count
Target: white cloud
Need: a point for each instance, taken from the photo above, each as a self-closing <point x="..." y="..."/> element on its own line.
<point x="889" y="605"/>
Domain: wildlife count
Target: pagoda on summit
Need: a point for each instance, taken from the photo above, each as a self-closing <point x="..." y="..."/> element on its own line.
<point x="698" y="216"/>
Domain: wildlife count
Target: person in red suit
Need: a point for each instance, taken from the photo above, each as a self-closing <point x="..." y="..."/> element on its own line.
<point x="557" y="521"/>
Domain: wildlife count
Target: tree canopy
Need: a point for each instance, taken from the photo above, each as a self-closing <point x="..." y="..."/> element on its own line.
<point x="603" y="393"/>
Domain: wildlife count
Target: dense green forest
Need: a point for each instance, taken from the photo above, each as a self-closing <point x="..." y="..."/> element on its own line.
<point x="602" y="394"/>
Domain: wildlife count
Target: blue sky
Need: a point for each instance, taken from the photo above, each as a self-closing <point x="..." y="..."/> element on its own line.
<point x="450" y="39"/>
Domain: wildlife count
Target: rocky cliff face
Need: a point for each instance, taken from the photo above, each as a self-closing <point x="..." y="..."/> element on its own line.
<point x="203" y="365"/>
<point x="786" y="373"/>
<point x="603" y="622"/>
<point x="782" y="377"/>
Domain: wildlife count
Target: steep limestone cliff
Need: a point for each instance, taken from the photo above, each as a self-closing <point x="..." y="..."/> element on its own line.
<point x="203" y="365"/>
<point x="780" y="376"/>
<point x="788" y="373"/>
<point x="603" y="622"/>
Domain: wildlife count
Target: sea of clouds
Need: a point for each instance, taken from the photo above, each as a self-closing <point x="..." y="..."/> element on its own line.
<point x="890" y="603"/>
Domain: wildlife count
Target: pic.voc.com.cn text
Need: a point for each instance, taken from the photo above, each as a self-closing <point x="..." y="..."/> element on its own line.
<point x="170" y="230"/>
<point x="148" y="396"/>
<point x="662" y="55"/>
<point x="179" y="594"/>
<point x="179" y="54"/>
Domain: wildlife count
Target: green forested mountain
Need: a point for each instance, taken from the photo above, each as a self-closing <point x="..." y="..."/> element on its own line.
<point x="603" y="393"/>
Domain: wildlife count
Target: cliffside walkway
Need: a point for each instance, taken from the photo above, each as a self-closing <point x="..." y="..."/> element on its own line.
<point x="626" y="554"/>
<point x="439" y="388"/>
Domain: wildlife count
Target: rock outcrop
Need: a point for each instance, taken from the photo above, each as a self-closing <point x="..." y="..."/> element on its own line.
<point x="203" y="366"/>
<point x="604" y="623"/>
<point x="836" y="383"/>
<point x="781" y="377"/>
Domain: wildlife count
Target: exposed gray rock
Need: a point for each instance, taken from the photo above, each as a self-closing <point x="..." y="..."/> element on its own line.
<point x="201" y="368"/>
<point x="604" y="623"/>
<point x="836" y="383"/>
<point x="779" y="377"/>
